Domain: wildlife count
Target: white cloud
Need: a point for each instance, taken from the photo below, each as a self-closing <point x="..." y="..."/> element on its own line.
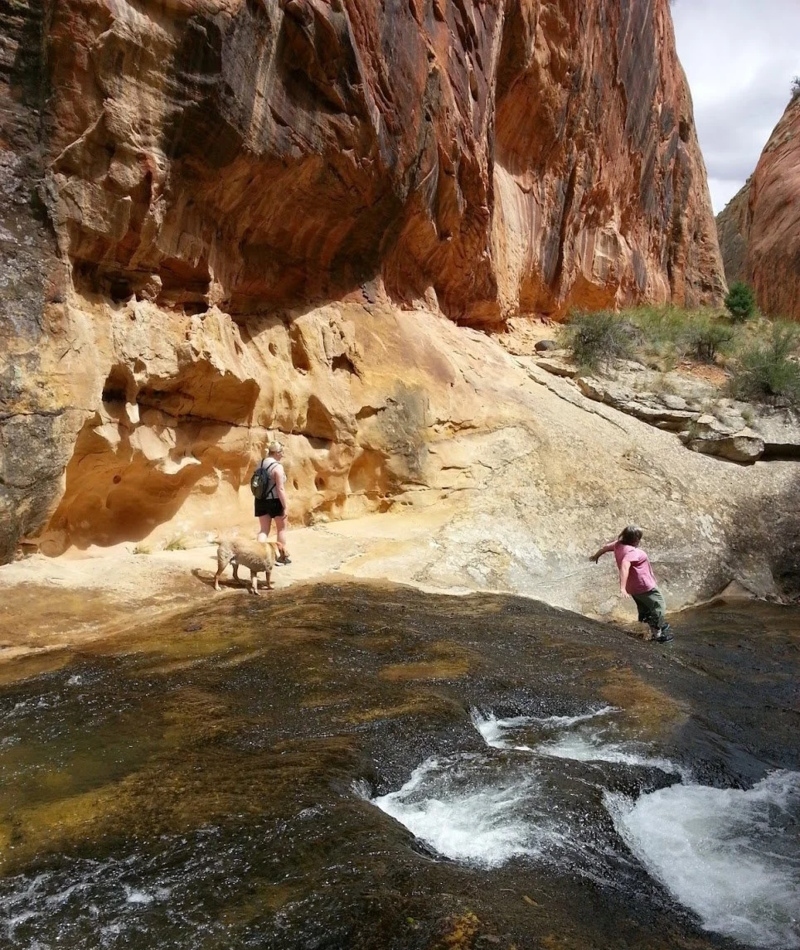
<point x="740" y="57"/>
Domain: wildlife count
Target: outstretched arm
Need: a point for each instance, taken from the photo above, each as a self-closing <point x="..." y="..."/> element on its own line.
<point x="601" y="551"/>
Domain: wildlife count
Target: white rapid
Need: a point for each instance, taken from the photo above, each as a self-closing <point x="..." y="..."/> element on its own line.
<point x="483" y="823"/>
<point x="730" y="856"/>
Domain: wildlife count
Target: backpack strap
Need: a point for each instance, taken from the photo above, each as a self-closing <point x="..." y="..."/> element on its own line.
<point x="269" y="468"/>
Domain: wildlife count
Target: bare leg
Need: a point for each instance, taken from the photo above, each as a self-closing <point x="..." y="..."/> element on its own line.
<point x="220" y="569"/>
<point x="280" y="524"/>
<point x="265" y="521"/>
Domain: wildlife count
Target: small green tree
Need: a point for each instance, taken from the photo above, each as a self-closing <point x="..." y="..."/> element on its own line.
<point x="740" y="302"/>
<point x="795" y="88"/>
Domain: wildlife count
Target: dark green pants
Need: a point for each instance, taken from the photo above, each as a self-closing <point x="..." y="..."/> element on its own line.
<point x="651" y="608"/>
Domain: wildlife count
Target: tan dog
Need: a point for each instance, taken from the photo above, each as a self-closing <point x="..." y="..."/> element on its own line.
<point x="259" y="556"/>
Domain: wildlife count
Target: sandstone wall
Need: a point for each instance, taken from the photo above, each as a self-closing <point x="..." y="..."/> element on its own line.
<point x="773" y="243"/>
<point x="759" y="229"/>
<point x="38" y="419"/>
<point x="228" y="217"/>
<point x="733" y="226"/>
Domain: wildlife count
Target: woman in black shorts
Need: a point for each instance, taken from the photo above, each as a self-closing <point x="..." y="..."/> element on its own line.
<point x="273" y="506"/>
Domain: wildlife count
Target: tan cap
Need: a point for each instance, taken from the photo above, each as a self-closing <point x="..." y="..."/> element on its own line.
<point x="275" y="447"/>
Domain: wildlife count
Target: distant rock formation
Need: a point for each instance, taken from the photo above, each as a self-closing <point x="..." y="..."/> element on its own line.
<point x="759" y="229"/>
<point x="215" y="210"/>
<point x="733" y="226"/>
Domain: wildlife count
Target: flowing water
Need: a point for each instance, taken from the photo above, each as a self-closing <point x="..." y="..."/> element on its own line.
<point x="366" y="766"/>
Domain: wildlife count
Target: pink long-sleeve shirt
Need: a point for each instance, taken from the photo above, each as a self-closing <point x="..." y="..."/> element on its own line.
<point x="640" y="577"/>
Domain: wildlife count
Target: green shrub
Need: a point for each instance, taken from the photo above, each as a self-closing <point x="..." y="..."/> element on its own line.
<point x="740" y="302"/>
<point x="766" y="372"/>
<point x="670" y="333"/>
<point x="661" y="326"/>
<point x="707" y="338"/>
<point x="599" y="339"/>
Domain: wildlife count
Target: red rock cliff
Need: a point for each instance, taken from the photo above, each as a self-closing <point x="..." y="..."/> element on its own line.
<point x="188" y="174"/>
<point x="759" y="229"/>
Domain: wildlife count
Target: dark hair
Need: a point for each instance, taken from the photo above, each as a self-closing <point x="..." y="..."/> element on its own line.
<point x="631" y="535"/>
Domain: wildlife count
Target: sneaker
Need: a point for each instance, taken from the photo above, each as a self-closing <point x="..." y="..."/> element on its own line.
<point x="284" y="560"/>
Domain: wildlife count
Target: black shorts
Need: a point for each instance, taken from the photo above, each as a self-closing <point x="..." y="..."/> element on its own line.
<point x="269" y="506"/>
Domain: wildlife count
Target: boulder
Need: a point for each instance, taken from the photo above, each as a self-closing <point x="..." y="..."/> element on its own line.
<point x="711" y="437"/>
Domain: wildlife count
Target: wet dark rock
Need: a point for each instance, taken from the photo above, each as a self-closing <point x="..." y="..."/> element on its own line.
<point x="232" y="771"/>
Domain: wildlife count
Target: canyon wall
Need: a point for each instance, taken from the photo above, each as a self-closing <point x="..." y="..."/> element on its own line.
<point x="231" y="219"/>
<point x="759" y="229"/>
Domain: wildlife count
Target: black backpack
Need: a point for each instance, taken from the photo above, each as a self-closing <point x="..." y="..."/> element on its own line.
<point x="261" y="480"/>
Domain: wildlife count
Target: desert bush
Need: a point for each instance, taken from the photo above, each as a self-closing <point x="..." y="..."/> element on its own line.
<point x="707" y="338"/>
<point x="660" y="325"/>
<point x="740" y="302"/>
<point x="769" y="371"/>
<point x="596" y="340"/>
<point x="176" y="544"/>
<point x="795" y="88"/>
<point x="672" y="334"/>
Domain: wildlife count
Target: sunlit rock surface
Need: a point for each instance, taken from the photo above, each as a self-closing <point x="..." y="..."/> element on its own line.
<point x="759" y="229"/>
<point x="227" y="221"/>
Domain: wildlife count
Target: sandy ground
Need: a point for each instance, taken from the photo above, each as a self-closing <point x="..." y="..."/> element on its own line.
<point x="48" y="604"/>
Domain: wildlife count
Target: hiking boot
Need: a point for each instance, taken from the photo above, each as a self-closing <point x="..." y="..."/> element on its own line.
<point x="664" y="634"/>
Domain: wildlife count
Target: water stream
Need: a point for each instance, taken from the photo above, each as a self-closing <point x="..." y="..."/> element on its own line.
<point x="366" y="766"/>
<point x="732" y="856"/>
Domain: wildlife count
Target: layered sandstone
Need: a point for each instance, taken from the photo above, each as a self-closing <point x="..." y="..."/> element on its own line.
<point x="759" y="229"/>
<point x="228" y="220"/>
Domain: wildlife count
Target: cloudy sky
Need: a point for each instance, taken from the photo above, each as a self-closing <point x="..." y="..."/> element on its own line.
<point x="740" y="57"/>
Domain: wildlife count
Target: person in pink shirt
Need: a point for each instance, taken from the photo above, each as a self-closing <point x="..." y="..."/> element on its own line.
<point x="637" y="579"/>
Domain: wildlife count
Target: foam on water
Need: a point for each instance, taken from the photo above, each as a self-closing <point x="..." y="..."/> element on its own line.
<point x="493" y="729"/>
<point x="593" y="749"/>
<point x="731" y="856"/>
<point x="582" y="745"/>
<point x="484" y="823"/>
